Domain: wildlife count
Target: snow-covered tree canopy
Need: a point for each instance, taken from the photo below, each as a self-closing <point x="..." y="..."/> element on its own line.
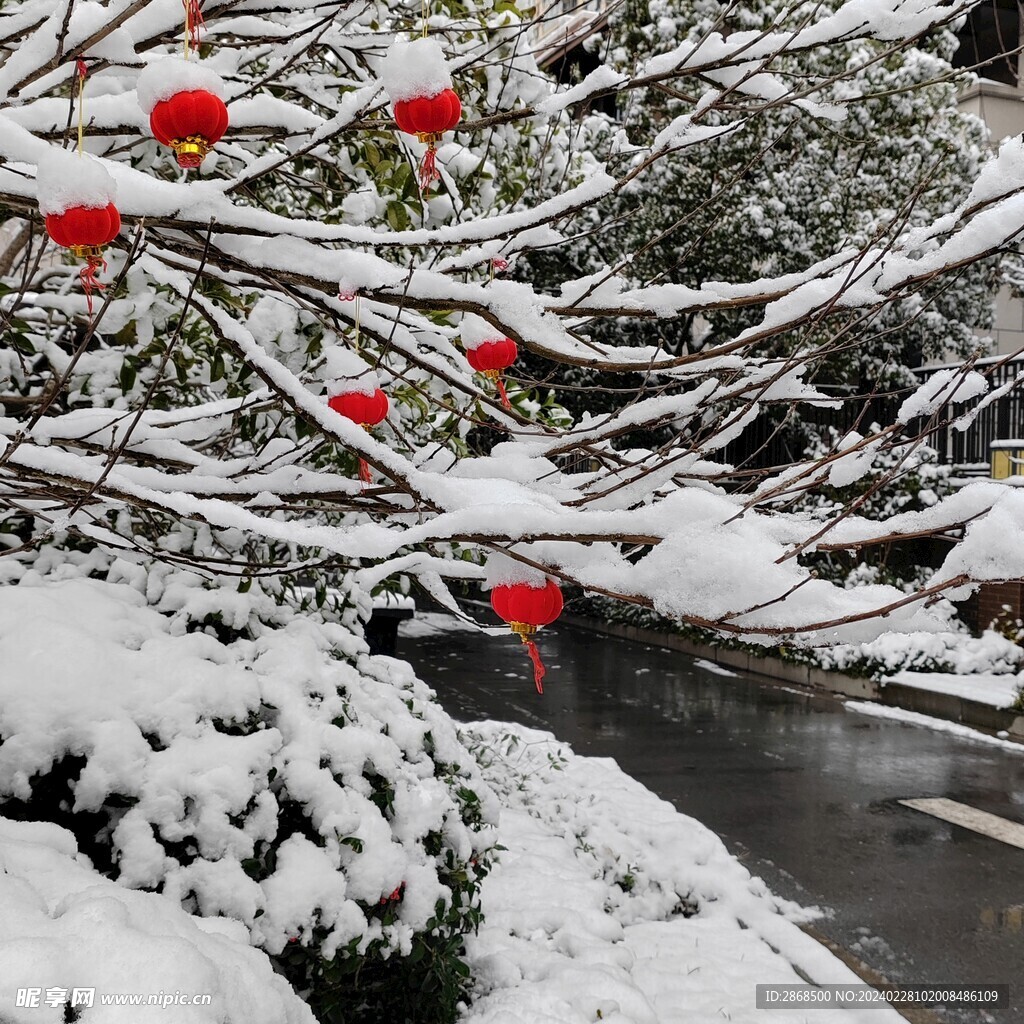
<point x="198" y="388"/>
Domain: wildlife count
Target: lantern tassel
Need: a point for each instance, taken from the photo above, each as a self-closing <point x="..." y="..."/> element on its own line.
<point x="90" y="282"/>
<point x="503" y="393"/>
<point x="538" y="666"/>
<point x="364" y="472"/>
<point x="429" y="174"/>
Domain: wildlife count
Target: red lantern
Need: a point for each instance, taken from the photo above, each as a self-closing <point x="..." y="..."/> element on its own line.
<point x="190" y="123"/>
<point x="366" y="410"/>
<point x="85" y="231"/>
<point x="428" y="118"/>
<point x="526" y="608"/>
<point x="491" y="358"/>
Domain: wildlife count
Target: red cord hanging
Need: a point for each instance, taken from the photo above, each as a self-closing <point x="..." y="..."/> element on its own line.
<point x="193" y="23"/>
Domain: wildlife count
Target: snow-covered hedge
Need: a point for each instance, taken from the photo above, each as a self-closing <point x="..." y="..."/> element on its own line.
<point x="279" y="777"/>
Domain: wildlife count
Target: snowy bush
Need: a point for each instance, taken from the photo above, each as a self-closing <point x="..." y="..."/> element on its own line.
<point x="280" y="778"/>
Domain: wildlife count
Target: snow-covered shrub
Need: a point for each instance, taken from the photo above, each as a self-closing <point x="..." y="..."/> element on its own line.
<point x="64" y="927"/>
<point x="251" y="763"/>
<point x="953" y="651"/>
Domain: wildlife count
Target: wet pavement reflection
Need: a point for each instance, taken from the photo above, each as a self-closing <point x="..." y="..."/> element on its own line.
<point x="804" y="791"/>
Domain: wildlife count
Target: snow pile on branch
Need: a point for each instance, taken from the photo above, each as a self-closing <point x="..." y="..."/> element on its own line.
<point x="66" y="179"/>
<point x="162" y="79"/>
<point x="635" y="913"/>
<point x="952" y="385"/>
<point x="64" y="926"/>
<point x="415" y="70"/>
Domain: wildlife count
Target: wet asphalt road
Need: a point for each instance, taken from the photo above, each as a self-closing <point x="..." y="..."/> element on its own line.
<point x="802" y="790"/>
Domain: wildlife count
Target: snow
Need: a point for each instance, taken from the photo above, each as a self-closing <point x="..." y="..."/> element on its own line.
<point x="64" y="926"/>
<point x="65" y="179"/>
<point x="712" y="666"/>
<point x="951" y="386"/>
<point x="475" y="331"/>
<point x="435" y="624"/>
<point x="203" y="740"/>
<point x="162" y="79"/>
<point x="346" y="372"/>
<point x="416" y="69"/>
<point x="608" y="904"/>
<point x="601" y="79"/>
<point x="913" y="718"/>
<point x="1001" y="691"/>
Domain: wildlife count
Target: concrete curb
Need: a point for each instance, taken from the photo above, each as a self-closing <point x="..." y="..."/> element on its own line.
<point x="926" y="702"/>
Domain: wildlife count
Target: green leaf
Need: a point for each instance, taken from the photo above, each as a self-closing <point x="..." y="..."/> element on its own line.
<point x="128" y="375"/>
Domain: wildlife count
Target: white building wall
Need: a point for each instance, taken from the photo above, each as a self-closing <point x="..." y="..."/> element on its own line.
<point x="1001" y="107"/>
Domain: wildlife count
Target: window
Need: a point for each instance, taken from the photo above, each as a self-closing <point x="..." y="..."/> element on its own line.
<point x="991" y="31"/>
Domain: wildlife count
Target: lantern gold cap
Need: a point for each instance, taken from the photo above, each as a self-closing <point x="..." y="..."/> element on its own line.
<point x="493" y="374"/>
<point x="522" y="629"/>
<point x="190" y="151"/>
<point x="430" y="138"/>
<point x="87" y="252"/>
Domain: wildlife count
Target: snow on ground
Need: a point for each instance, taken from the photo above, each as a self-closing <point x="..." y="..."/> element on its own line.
<point x="63" y="926"/>
<point x="939" y="724"/>
<point x="711" y="666"/>
<point x="1001" y="691"/>
<point x="609" y="905"/>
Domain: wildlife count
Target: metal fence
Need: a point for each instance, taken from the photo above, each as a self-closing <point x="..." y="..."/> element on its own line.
<point x="769" y="442"/>
<point x="1000" y="420"/>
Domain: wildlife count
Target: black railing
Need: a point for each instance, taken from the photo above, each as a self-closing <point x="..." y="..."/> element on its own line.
<point x="778" y="437"/>
<point x="1000" y="420"/>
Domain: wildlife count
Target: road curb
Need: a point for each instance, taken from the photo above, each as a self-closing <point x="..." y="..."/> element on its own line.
<point x="899" y="695"/>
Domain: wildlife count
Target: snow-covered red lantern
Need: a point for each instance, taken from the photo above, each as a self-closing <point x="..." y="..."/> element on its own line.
<point x="526" y="607"/>
<point x="365" y="408"/>
<point x="76" y="196"/>
<point x="419" y="84"/>
<point x="355" y="393"/>
<point x="185" y="103"/>
<point x="488" y="351"/>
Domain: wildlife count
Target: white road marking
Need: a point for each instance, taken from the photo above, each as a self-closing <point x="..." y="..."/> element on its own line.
<point x="986" y="824"/>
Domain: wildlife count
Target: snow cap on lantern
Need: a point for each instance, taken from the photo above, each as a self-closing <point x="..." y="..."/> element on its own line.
<point x="521" y="595"/>
<point x="487" y="349"/>
<point x="185" y="103"/>
<point x="345" y="373"/>
<point x="415" y="70"/>
<point x="476" y="331"/>
<point x="66" y="180"/>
